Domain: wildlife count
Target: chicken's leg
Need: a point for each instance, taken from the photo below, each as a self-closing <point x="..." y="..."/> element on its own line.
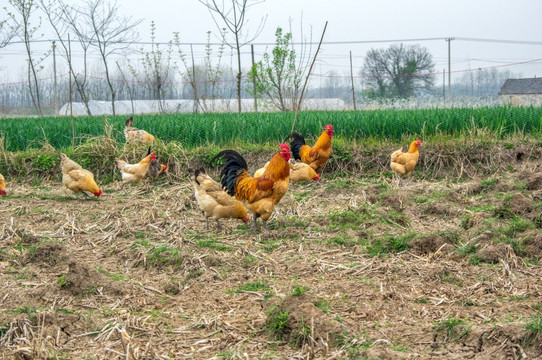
<point x="254" y="226"/>
<point x="206" y="223"/>
<point x="397" y="179"/>
<point x="218" y="224"/>
<point x="265" y="225"/>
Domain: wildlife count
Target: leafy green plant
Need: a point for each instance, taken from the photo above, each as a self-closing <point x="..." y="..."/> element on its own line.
<point x="323" y="304"/>
<point x="62" y="281"/>
<point x="277" y="322"/>
<point x="299" y="290"/>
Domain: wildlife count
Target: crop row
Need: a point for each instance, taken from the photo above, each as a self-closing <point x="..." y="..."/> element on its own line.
<point x="193" y="130"/>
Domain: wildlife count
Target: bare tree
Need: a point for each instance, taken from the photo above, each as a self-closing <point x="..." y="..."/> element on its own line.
<point x="63" y="19"/>
<point x="8" y="30"/>
<point x="112" y="32"/>
<point x="156" y="69"/>
<point x="23" y="10"/>
<point x="204" y="80"/>
<point x="234" y="16"/>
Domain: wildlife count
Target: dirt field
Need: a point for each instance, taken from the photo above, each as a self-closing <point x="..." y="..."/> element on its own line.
<point x="352" y="268"/>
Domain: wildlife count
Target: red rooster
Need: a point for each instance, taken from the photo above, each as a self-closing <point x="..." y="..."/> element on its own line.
<point x="260" y="195"/>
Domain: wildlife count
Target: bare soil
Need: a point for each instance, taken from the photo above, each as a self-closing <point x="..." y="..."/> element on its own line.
<point x="352" y="268"/>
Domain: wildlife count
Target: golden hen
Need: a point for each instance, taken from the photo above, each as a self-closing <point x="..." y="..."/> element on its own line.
<point x="134" y="173"/>
<point x="2" y="186"/>
<point x="298" y="172"/>
<point x="403" y="163"/>
<point x="77" y="179"/>
<point x="316" y="156"/>
<point x="213" y="201"/>
<point x="133" y="134"/>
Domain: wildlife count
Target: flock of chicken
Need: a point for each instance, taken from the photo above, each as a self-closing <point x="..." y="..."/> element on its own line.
<point x="237" y="191"/>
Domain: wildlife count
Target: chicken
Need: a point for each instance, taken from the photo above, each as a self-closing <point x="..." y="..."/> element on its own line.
<point x="259" y="195"/>
<point x="155" y="169"/>
<point x="136" y="172"/>
<point x="2" y="186"/>
<point x="133" y="134"/>
<point x="77" y="179"/>
<point x="403" y="163"/>
<point x="316" y="156"/>
<point x="298" y="172"/>
<point x="213" y="201"/>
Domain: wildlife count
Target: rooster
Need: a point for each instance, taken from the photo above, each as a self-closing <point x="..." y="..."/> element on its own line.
<point x="213" y="201"/>
<point x="259" y="195"/>
<point x="2" y="186"/>
<point x="77" y="179"/>
<point x="298" y="172"/>
<point x="136" y="172"/>
<point x="155" y="169"/>
<point x="316" y="156"/>
<point x="133" y="134"/>
<point x="403" y="163"/>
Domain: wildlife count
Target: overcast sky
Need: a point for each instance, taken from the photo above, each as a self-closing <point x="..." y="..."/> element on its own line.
<point x="357" y="21"/>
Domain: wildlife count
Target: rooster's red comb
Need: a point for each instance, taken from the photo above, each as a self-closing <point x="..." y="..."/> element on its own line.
<point x="284" y="147"/>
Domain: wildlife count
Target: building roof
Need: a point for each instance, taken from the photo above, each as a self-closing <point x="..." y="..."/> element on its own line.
<point x="521" y="86"/>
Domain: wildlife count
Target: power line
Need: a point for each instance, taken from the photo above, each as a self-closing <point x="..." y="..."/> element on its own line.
<point x="346" y="42"/>
<point x="501" y="41"/>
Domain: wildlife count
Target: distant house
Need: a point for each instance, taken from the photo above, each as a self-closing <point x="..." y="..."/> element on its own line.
<point x="521" y="92"/>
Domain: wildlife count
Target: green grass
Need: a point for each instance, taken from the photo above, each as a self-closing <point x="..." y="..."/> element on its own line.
<point x="534" y="329"/>
<point x="453" y="327"/>
<point x="252" y="286"/>
<point x="193" y="130"/>
<point x="388" y="244"/>
<point x="165" y="255"/>
<point x="212" y="244"/>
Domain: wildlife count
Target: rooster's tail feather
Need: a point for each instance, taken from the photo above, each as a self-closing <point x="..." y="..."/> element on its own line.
<point x="235" y="166"/>
<point x="296" y="144"/>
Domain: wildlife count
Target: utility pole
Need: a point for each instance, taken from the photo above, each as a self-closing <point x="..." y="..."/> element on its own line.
<point x="444" y="84"/>
<point x="449" y="40"/>
<point x="55" y="92"/>
<point x="352" y="78"/>
<point x="254" y="80"/>
<point x="194" y="85"/>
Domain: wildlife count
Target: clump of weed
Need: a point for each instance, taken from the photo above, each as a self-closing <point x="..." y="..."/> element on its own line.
<point x="533" y="328"/>
<point x="453" y="328"/>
